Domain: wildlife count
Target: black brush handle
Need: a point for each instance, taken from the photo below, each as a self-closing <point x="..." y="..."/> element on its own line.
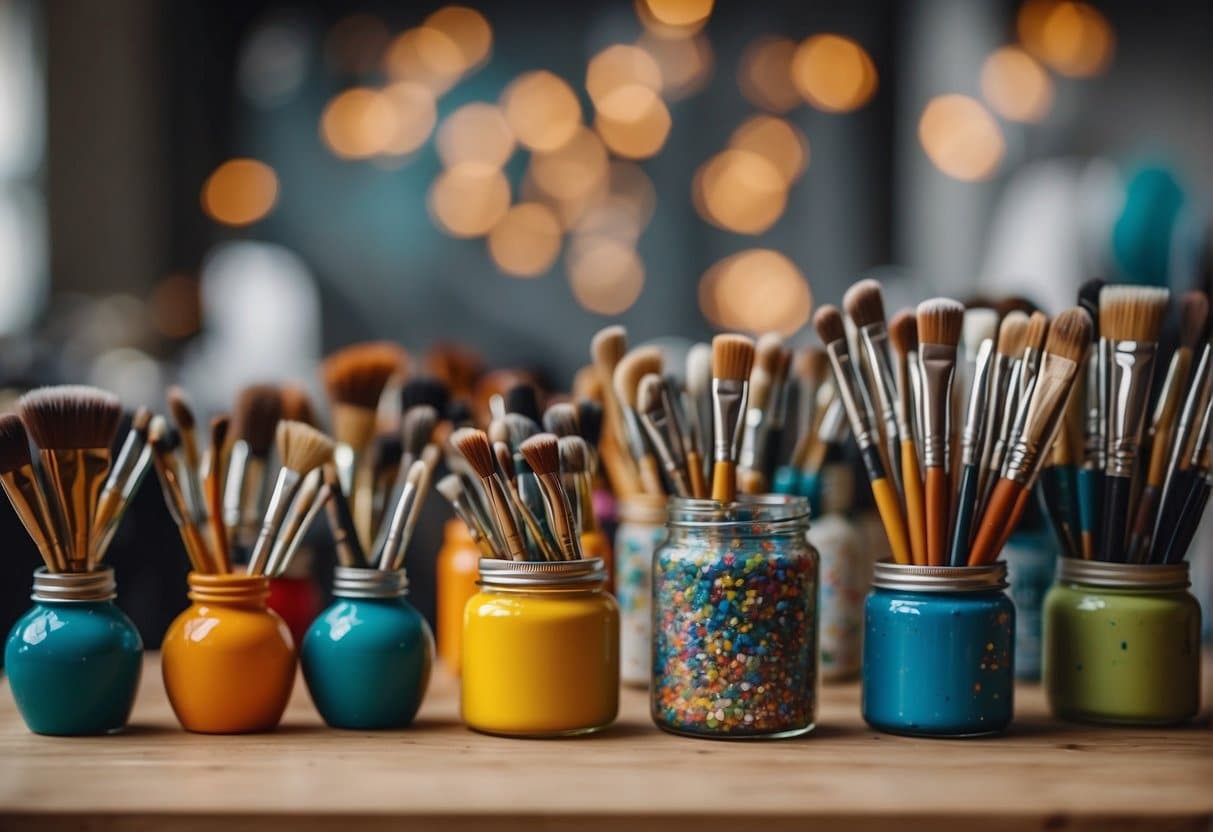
<point x="1143" y="524"/>
<point x="962" y="534"/>
<point x="1170" y="512"/>
<point x="1189" y="520"/>
<point x="1117" y="493"/>
<point x="1053" y="489"/>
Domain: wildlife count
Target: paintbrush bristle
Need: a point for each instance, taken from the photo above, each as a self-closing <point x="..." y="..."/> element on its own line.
<point x="1013" y="334"/>
<point x="180" y="408"/>
<point x="258" y="411"/>
<point x="812" y="365"/>
<point x="297" y="405"/>
<point x="542" y="453"/>
<point x="940" y="321"/>
<point x="1193" y="318"/>
<point x="161" y="436"/>
<point x="424" y="390"/>
<point x="505" y="461"/>
<point x="699" y="370"/>
<point x="768" y="353"/>
<point x="518" y="429"/>
<point x="608" y="347"/>
<point x="903" y="332"/>
<point x="1088" y="299"/>
<point x="1070" y="334"/>
<point x="632" y="368"/>
<point x="980" y="324"/>
<point x="523" y="399"/>
<point x="474" y="445"/>
<point x="649" y="394"/>
<point x="450" y="487"/>
<point x="864" y="303"/>
<point x="140" y="422"/>
<point x="828" y="323"/>
<point x="574" y="455"/>
<point x="1132" y="313"/>
<point x="732" y="357"/>
<point x="561" y="419"/>
<point x="70" y="417"/>
<point x="417" y="428"/>
<point x="14" y="444"/>
<point x="220" y="425"/>
<point x="1037" y="331"/>
<point x="301" y="447"/>
<point x="356" y="375"/>
<point x="589" y="419"/>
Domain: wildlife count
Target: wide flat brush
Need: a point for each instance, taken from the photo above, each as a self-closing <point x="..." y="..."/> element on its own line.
<point x="732" y="360"/>
<point x="940" y="321"/>
<point x="970" y="455"/>
<point x="1090" y="477"/>
<point x="903" y="334"/>
<point x="20" y="483"/>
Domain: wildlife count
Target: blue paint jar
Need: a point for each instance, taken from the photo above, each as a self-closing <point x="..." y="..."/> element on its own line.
<point x="74" y="660"/>
<point x="938" y="651"/>
<point x="1031" y="559"/>
<point x="367" y="658"/>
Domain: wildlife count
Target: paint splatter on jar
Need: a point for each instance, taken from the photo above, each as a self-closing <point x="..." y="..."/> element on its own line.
<point x="735" y="620"/>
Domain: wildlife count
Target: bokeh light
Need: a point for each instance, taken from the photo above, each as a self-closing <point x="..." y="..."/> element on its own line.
<point x="1075" y="39"/>
<point x="416" y="113"/>
<point x="526" y="242"/>
<point x="757" y="290"/>
<point x="740" y="191"/>
<point x="359" y="123"/>
<point x="686" y="63"/>
<point x="834" y="73"/>
<point x="468" y="30"/>
<point x="240" y="192"/>
<point x="467" y="200"/>
<point x="476" y="132"/>
<point x="542" y="110"/>
<point x="633" y="121"/>
<point x="961" y="138"/>
<point x="356" y="43"/>
<point x="618" y="66"/>
<point x="1016" y="86"/>
<point x="573" y="171"/>
<point x="569" y="210"/>
<point x="673" y="19"/>
<point x="606" y="275"/>
<point x="777" y="141"/>
<point x="427" y="56"/>
<point x="764" y="74"/>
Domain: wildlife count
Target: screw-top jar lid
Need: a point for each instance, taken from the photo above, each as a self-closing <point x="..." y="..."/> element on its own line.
<point x="562" y="574"/>
<point x="889" y="575"/>
<point x="1123" y="575"/>
<point x="361" y="582"/>
<point x="777" y="512"/>
<point x="74" y="587"/>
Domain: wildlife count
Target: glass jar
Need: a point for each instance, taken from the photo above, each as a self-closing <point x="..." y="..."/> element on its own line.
<point x="367" y="658"/>
<point x="74" y="659"/>
<point x="594" y="544"/>
<point x="641" y="530"/>
<point x="938" y="650"/>
<point x="540" y="650"/>
<point x="846" y="575"/>
<point x="228" y="660"/>
<point x="735" y="620"/>
<point x="456" y="583"/>
<point x="1031" y="558"/>
<point x="1122" y="643"/>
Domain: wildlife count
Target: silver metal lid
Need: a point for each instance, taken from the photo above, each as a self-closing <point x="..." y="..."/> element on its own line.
<point x="889" y="575"/>
<point x="74" y="587"/>
<point x="358" y="582"/>
<point x="781" y="511"/>
<point x="1123" y="575"/>
<point x="563" y="574"/>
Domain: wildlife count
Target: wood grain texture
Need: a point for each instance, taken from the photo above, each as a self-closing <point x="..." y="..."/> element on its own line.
<point x="440" y="776"/>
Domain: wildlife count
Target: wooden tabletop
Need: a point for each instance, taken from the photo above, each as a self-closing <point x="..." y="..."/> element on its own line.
<point x="440" y="776"/>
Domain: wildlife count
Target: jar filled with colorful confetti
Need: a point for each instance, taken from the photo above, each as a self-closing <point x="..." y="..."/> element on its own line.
<point x="367" y="658"/>
<point x="1122" y="643"/>
<point x="735" y="620"/>
<point x="540" y="649"/>
<point x="641" y="531"/>
<point x="938" y="650"/>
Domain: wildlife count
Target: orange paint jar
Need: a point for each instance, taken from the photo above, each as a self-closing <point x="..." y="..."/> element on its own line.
<point x="594" y="544"/>
<point x="458" y="572"/>
<point x="228" y="660"/>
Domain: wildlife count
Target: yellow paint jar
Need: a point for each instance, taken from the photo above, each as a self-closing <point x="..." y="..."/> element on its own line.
<point x="541" y="650"/>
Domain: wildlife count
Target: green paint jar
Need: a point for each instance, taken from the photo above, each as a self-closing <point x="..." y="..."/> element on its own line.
<point x="1122" y="643"/>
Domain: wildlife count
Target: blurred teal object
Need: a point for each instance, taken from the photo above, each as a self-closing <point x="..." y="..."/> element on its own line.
<point x="1031" y="557"/>
<point x="1143" y="235"/>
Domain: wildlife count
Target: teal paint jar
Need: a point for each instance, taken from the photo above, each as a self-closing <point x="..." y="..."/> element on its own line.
<point x="367" y="658"/>
<point x="74" y="660"/>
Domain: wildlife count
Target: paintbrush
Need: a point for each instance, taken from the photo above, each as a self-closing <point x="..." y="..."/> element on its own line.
<point x="297" y="405"/>
<point x="761" y="392"/>
<point x="542" y="453"/>
<point x="830" y="328"/>
<point x="655" y="419"/>
<point x="163" y="447"/>
<point x="514" y="429"/>
<point x="315" y="506"/>
<point x="181" y="411"/>
<point x="732" y="360"/>
<point x="970" y="454"/>
<point x="811" y="368"/>
<point x="1130" y="320"/>
<point x="1055" y="485"/>
<point x="864" y="305"/>
<point x="523" y="399"/>
<point x="258" y="410"/>
<point x="430" y="457"/>
<point x="451" y="488"/>
<point x="416" y="432"/>
<point x="20" y="482"/>
<point x="773" y="438"/>
<point x="607" y="348"/>
<point x="1008" y="353"/>
<point x="903" y="335"/>
<point x="74" y="428"/>
<point x="1090" y="476"/>
<point x="1068" y="339"/>
<point x="561" y="419"/>
<point x="123" y="481"/>
<point x="213" y="468"/>
<point x="341" y="522"/>
<point x="939" y="325"/>
<point x="506" y="466"/>
<point x="575" y="468"/>
<point x="1191" y="495"/>
<point x="293" y="525"/>
<point x="698" y="406"/>
<point x="831" y="431"/>
<point x="474" y="446"/>
<point x="392" y="551"/>
<point x="631" y="368"/>
<point x="980" y="325"/>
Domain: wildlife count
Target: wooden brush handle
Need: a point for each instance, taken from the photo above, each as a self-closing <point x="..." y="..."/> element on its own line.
<point x="699" y="485"/>
<point x="1021" y="505"/>
<point x="939" y="508"/>
<point x="889" y="507"/>
<point x="915" y="502"/>
<point x="996" y="522"/>
<point x="724" y="481"/>
<point x="650" y="475"/>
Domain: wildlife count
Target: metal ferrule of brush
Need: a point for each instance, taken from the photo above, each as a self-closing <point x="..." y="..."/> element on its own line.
<point x="345" y="461"/>
<point x="129" y="485"/>
<point x="234" y="485"/>
<point x="938" y="365"/>
<point x="694" y="431"/>
<point x="1000" y="377"/>
<point x="1104" y="386"/>
<point x="285" y="487"/>
<point x="728" y="398"/>
<point x="848" y="394"/>
<point x="1093" y="449"/>
<point x="128" y="457"/>
<point x="634" y="434"/>
<point x="914" y="372"/>
<point x="655" y="425"/>
<point x="973" y="431"/>
<point x="393" y="542"/>
<point x="750" y="438"/>
<point x="875" y="341"/>
<point x="1130" y="369"/>
<point x="674" y="429"/>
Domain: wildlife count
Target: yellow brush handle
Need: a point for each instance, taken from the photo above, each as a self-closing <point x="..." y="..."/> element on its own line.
<point x="915" y="504"/>
<point x="699" y="486"/>
<point x="889" y="507"/>
<point x="724" y="481"/>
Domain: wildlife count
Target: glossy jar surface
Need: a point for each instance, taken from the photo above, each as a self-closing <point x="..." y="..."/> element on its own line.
<point x="297" y="601"/>
<point x="457" y="574"/>
<point x="1122" y="643"/>
<point x="735" y="620"/>
<point x="1031" y="559"/>
<point x="641" y="530"/>
<point x="74" y="659"/>
<point x="938" y="651"/>
<point x="540" y="650"/>
<point x="228" y="661"/>
<point x="367" y="658"/>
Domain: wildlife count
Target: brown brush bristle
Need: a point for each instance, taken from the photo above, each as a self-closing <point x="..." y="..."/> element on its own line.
<point x="1013" y="334"/>
<point x="574" y="454"/>
<point x="297" y="405"/>
<point x="357" y="374"/>
<point x="140" y="422"/>
<point x="1132" y="313"/>
<point x="828" y="323"/>
<point x="475" y="447"/>
<point x="70" y="417"/>
<point x="864" y="303"/>
<point x="732" y="357"/>
<point x="180" y="408"/>
<point x="1070" y="334"/>
<point x="811" y="364"/>
<point x="220" y="425"/>
<point x="561" y="419"/>
<point x="14" y="444"/>
<point x="301" y="447"/>
<point x="417" y="428"/>
<point x="258" y="411"/>
<point x="542" y="453"/>
<point x="587" y="384"/>
<point x="768" y="351"/>
<point x="699" y="370"/>
<point x="903" y="332"/>
<point x="1037" y="331"/>
<point x="940" y="321"/>
<point x="608" y="347"/>
<point x="505" y="460"/>
<point x="1193" y="319"/>
<point x="519" y="428"/>
<point x="635" y="365"/>
<point x="648" y="393"/>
